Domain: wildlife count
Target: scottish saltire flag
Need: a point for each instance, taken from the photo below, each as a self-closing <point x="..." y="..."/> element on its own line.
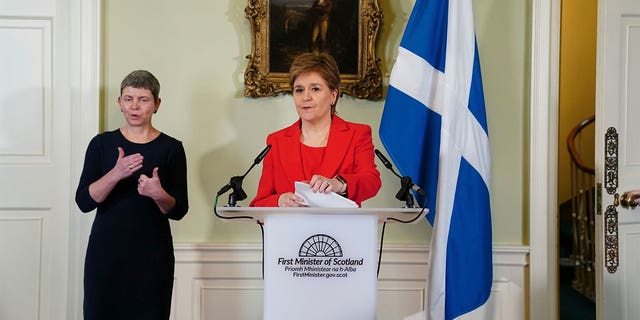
<point x="434" y="128"/>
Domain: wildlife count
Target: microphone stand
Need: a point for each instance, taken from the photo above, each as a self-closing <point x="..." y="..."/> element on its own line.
<point x="404" y="193"/>
<point x="237" y="194"/>
<point x="406" y="184"/>
<point x="235" y="183"/>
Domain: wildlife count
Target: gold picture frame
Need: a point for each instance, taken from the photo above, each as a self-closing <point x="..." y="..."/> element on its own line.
<point x="282" y="29"/>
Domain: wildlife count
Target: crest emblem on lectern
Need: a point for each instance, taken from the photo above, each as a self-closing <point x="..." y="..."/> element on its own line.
<point x="320" y="245"/>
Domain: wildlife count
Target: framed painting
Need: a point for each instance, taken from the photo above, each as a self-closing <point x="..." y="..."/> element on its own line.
<point x="282" y="29"/>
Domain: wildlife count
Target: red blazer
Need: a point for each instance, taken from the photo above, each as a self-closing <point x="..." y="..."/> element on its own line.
<point x="349" y="153"/>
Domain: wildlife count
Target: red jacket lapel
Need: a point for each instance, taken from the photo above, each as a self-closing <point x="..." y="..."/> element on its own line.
<point x="340" y="137"/>
<point x="290" y="152"/>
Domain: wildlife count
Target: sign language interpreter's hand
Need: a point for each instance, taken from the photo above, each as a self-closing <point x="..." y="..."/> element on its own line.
<point x="150" y="186"/>
<point x="127" y="165"/>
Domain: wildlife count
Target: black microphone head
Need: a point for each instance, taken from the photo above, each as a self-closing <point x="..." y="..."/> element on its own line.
<point x="262" y="155"/>
<point x="382" y="158"/>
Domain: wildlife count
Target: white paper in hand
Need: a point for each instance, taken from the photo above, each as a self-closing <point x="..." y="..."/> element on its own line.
<point x="322" y="200"/>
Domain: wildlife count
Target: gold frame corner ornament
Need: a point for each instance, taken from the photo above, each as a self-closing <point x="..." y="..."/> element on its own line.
<point x="260" y="81"/>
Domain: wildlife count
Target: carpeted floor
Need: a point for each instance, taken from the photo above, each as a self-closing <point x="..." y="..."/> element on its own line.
<point x="573" y="305"/>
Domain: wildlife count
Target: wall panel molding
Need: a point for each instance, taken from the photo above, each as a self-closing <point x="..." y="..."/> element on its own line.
<point x="23" y="237"/>
<point x="224" y="281"/>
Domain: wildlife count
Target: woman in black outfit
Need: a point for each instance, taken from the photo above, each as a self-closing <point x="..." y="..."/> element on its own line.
<point x="136" y="177"/>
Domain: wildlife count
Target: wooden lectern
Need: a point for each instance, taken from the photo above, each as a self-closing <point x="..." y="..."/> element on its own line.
<point x="321" y="263"/>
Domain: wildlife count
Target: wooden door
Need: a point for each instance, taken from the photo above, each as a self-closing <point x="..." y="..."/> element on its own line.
<point x="617" y="159"/>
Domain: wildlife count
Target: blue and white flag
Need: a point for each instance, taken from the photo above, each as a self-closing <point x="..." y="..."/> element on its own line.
<point x="434" y="128"/>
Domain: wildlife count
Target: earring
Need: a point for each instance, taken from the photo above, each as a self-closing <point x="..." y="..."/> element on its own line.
<point x="121" y="110"/>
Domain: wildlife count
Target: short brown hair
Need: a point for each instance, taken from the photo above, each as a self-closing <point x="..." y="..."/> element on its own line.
<point x="322" y="63"/>
<point x="142" y="79"/>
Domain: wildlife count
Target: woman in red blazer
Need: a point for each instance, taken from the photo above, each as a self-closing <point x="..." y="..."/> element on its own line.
<point x="321" y="148"/>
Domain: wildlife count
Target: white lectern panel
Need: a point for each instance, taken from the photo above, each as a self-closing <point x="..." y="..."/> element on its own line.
<point x="320" y="266"/>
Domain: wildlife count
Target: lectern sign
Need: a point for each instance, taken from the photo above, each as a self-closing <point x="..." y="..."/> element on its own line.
<point x="320" y="256"/>
<point x="320" y="266"/>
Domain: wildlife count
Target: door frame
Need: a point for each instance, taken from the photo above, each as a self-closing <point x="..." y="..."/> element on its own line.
<point x="86" y="46"/>
<point x="543" y="158"/>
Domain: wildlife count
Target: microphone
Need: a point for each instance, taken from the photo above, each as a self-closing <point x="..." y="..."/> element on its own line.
<point x="235" y="183"/>
<point x="406" y="183"/>
<point x="385" y="161"/>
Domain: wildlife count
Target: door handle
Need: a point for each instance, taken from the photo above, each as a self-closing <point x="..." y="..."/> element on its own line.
<point x="628" y="200"/>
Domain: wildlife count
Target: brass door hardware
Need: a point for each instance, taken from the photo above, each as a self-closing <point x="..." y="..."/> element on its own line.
<point x="628" y="201"/>
<point x="611" y="214"/>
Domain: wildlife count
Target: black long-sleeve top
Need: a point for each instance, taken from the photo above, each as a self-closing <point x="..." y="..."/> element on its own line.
<point x="124" y="212"/>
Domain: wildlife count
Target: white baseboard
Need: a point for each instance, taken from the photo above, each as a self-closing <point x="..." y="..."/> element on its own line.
<point x="224" y="281"/>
